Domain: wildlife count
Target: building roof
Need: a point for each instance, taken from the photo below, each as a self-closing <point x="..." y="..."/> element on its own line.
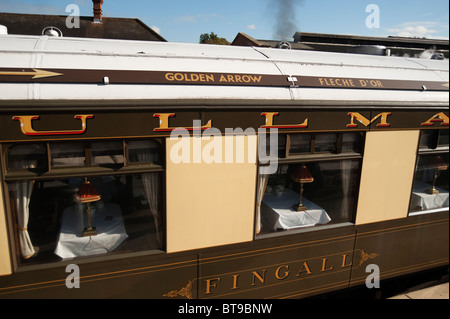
<point x="398" y="46"/>
<point x="108" y="28"/>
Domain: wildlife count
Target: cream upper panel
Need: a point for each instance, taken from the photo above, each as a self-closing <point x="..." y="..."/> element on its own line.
<point x="5" y="260"/>
<point x="210" y="201"/>
<point x="387" y="175"/>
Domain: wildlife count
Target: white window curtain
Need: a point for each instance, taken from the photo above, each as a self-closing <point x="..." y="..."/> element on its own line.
<point x="23" y="192"/>
<point x="262" y="184"/>
<point x="346" y="177"/>
<point x="152" y="189"/>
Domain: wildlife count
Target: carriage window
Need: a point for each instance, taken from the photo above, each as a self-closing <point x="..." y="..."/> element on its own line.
<point x="27" y="156"/>
<point x="144" y="151"/>
<point x="311" y="190"/>
<point x="107" y="153"/>
<point x="67" y="154"/>
<point x="299" y="144"/>
<point x="325" y="143"/>
<point x="352" y="142"/>
<point x="60" y="218"/>
<point x="430" y="189"/>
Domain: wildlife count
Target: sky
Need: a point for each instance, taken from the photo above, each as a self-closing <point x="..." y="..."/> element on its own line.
<point x="186" y="20"/>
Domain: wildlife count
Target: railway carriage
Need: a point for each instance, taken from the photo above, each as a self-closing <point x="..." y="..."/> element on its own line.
<point x="158" y="170"/>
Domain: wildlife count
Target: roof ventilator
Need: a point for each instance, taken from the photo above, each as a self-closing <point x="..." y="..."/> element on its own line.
<point x="52" y="32"/>
<point x="284" y="45"/>
<point x="438" y="56"/>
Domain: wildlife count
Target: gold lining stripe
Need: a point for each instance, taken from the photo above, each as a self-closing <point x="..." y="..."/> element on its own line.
<point x="324" y="287"/>
<point x="276" y="249"/>
<point x="402" y="228"/>
<point x="193" y="261"/>
<point x="403" y="269"/>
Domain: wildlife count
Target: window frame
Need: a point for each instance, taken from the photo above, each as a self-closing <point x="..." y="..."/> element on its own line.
<point x="52" y="172"/>
<point x="11" y="175"/>
<point x="425" y="151"/>
<point x="316" y="157"/>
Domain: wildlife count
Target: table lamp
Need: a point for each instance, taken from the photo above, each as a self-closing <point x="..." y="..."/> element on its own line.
<point x="301" y="175"/>
<point x="88" y="194"/>
<point x="438" y="164"/>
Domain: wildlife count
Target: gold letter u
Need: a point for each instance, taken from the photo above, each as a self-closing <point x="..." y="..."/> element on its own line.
<point x="27" y="128"/>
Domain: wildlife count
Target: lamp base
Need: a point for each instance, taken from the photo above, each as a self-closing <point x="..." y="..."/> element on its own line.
<point x="434" y="191"/>
<point x="299" y="208"/>
<point x="91" y="231"/>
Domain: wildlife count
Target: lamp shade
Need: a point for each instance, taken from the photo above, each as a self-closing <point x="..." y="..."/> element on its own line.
<point x="301" y="174"/>
<point x="87" y="193"/>
<point x="438" y="164"/>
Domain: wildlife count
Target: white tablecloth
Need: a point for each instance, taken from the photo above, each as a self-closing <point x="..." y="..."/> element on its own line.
<point x="287" y="217"/>
<point x="110" y="232"/>
<point x="421" y="198"/>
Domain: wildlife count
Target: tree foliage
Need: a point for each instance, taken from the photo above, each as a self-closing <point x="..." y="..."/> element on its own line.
<point x="212" y="38"/>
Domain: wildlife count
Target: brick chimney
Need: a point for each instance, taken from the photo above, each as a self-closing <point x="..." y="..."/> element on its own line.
<point x="97" y="11"/>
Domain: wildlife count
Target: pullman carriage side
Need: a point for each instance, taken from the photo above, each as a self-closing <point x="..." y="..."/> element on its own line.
<point x="157" y="170"/>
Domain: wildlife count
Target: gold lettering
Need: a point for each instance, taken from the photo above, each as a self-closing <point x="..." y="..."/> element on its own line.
<point x="364" y="121"/>
<point x="306" y="268"/>
<point x="336" y="82"/>
<point x="258" y="276"/>
<point x="286" y="273"/>
<point x="238" y="78"/>
<point x="163" y="119"/>
<point x="27" y="127"/>
<point x="179" y="77"/>
<point x="324" y="261"/>
<point x="222" y="78"/>
<point x="344" y="259"/>
<point x="164" y="123"/>
<point x="210" y="285"/>
<point x="169" y="76"/>
<point x="189" y="77"/>
<point x="269" y="122"/>
<point x="256" y="78"/>
<point x="230" y="78"/>
<point x="235" y="282"/>
<point x="438" y="118"/>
